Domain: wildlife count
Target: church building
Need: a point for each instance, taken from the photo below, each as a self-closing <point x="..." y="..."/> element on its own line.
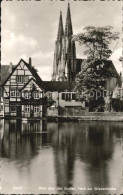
<point x="65" y="65"/>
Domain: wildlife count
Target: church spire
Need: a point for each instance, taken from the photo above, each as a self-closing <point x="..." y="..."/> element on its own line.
<point x="68" y="26"/>
<point x="60" y="28"/>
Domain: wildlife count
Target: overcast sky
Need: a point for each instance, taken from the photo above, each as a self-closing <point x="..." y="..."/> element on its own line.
<point x="29" y="28"/>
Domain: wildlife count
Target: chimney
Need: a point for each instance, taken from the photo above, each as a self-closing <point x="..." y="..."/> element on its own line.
<point x="10" y="67"/>
<point x="30" y="62"/>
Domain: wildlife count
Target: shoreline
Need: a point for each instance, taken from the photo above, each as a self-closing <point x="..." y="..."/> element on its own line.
<point x="92" y="116"/>
<point x="85" y="118"/>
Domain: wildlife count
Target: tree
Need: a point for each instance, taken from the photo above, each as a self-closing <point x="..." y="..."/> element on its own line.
<point x="50" y="102"/>
<point x="94" y="73"/>
<point x="97" y="41"/>
<point x="117" y="105"/>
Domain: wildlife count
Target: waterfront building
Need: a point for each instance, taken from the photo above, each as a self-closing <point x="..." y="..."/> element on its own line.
<point x="23" y="91"/>
<point x="66" y="100"/>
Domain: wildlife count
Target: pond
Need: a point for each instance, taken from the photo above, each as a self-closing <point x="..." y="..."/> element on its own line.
<point x="61" y="157"/>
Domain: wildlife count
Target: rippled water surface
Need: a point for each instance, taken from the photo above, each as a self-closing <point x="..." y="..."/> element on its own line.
<point x="68" y="157"/>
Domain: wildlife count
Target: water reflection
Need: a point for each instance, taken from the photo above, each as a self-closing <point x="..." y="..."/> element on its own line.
<point x="71" y="155"/>
<point x="1" y="130"/>
<point x="90" y="146"/>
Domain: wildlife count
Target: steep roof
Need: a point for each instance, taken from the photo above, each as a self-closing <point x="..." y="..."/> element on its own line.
<point x="59" y="85"/>
<point x="32" y="70"/>
<point x="111" y="68"/>
<point x="40" y="84"/>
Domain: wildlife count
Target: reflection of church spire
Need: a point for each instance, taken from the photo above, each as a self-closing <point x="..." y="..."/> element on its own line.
<point x="68" y="26"/>
<point x="60" y="29"/>
<point x="64" y="155"/>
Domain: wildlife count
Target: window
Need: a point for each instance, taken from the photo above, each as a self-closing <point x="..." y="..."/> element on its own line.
<point x="36" y="108"/>
<point x="27" y="108"/>
<point x="25" y="79"/>
<point x="19" y="79"/>
<point x="73" y="96"/>
<point x="63" y="96"/>
<point x="68" y="96"/>
<point x="22" y="79"/>
<point x="17" y="93"/>
<point x="36" y="95"/>
<point x="1" y="107"/>
<point x="86" y="104"/>
<point x="27" y="95"/>
<point x="13" y="93"/>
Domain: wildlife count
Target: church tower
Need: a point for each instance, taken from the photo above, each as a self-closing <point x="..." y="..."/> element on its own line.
<point x="58" y="51"/>
<point x="64" y="65"/>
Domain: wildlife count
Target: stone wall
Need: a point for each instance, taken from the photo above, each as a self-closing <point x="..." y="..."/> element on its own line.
<point x="80" y="114"/>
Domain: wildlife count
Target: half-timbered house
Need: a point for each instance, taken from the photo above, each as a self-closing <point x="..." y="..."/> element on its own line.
<point x="23" y="92"/>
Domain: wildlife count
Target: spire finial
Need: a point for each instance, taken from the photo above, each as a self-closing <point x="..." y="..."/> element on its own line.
<point x="60" y="28"/>
<point x="68" y="26"/>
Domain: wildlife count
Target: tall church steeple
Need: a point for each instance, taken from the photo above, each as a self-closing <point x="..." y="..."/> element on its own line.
<point x="64" y="66"/>
<point x="60" y="29"/>
<point x="68" y="26"/>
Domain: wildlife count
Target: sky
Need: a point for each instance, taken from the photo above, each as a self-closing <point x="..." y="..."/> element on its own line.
<point x="29" y="29"/>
